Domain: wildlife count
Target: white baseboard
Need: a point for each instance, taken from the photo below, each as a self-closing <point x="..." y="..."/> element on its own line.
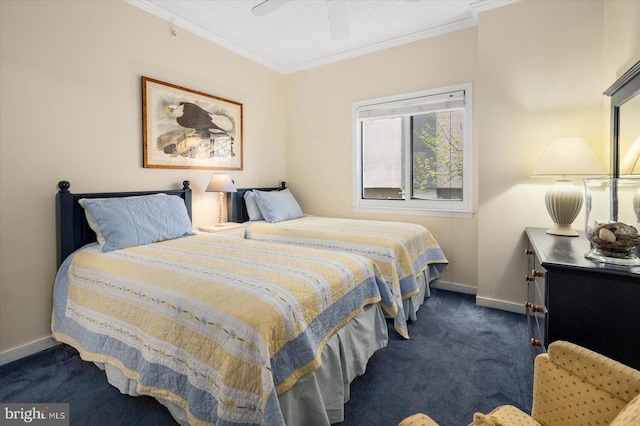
<point x="26" y="350"/>
<point x="503" y="305"/>
<point x="458" y="288"/>
<point x="480" y="301"/>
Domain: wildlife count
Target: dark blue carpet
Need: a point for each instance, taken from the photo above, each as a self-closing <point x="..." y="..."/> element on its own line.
<point x="461" y="358"/>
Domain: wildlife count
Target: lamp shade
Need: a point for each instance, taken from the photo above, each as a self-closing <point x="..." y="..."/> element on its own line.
<point x="630" y="164"/>
<point x="568" y="156"/>
<point x="221" y="182"/>
<point x="565" y="158"/>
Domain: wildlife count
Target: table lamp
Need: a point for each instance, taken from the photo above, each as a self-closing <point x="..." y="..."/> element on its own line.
<point x="220" y="183"/>
<point x="566" y="158"/>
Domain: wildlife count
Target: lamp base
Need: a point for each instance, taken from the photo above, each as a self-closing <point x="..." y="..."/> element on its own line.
<point x="564" y="202"/>
<point x="563" y="230"/>
<point x="221" y="224"/>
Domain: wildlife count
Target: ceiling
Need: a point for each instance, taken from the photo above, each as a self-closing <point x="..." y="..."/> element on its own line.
<point x="297" y="35"/>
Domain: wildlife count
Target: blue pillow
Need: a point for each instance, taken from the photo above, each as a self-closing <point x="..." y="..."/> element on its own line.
<point x="252" y="206"/>
<point x="133" y="221"/>
<point x="277" y="206"/>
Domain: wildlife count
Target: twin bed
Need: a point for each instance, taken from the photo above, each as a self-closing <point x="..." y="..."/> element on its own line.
<point x="222" y="331"/>
<point x="407" y="254"/>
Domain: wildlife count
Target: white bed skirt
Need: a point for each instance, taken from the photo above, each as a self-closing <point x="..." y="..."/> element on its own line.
<point x="319" y="397"/>
<point x="412" y="304"/>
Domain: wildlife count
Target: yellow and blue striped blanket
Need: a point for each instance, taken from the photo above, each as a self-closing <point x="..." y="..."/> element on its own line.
<point x="219" y="326"/>
<point x="402" y="251"/>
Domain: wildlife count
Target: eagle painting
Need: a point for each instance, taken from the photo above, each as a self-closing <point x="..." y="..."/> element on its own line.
<point x="202" y="134"/>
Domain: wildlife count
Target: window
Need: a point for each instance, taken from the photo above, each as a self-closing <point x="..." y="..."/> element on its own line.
<point x="413" y="153"/>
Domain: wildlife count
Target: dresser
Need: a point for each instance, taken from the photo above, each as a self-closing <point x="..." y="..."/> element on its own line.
<point x="570" y="297"/>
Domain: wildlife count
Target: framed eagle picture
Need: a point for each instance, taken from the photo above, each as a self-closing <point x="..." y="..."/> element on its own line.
<point x="187" y="129"/>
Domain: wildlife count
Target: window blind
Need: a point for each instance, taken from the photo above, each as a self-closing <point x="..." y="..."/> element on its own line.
<point x="412" y="106"/>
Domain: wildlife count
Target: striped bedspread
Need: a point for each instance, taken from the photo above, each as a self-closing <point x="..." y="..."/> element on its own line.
<point x="401" y="250"/>
<point x="219" y="326"/>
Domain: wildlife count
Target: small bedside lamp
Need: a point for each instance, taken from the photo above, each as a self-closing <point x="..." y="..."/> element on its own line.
<point x="221" y="183"/>
<point x="566" y="158"/>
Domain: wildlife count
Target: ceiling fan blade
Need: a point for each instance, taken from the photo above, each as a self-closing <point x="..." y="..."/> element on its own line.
<point x="267" y="6"/>
<point x="338" y="19"/>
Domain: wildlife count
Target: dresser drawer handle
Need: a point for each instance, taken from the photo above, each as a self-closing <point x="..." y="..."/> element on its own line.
<point x="534" y="308"/>
<point x="528" y="278"/>
<point x="535" y="342"/>
<point x="535" y="273"/>
<point x="529" y="252"/>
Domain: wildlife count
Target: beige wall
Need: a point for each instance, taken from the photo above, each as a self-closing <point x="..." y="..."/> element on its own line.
<point x="541" y="76"/>
<point x="622" y="51"/>
<point x="621" y="37"/>
<point x="542" y="70"/>
<point x="71" y="109"/>
<point x="319" y="150"/>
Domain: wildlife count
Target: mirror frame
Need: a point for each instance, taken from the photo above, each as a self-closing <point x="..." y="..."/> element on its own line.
<point x="624" y="89"/>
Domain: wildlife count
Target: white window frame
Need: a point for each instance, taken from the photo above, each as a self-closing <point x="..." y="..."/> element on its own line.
<point x="445" y="208"/>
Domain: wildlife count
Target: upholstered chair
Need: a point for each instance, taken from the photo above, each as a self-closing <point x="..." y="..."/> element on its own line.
<point x="571" y="386"/>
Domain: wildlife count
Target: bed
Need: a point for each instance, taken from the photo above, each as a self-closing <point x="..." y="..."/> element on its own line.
<point x="407" y="254"/>
<point x="221" y="330"/>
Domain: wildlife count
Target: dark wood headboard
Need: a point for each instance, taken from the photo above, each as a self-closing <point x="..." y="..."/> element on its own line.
<point x="72" y="229"/>
<point x="237" y="209"/>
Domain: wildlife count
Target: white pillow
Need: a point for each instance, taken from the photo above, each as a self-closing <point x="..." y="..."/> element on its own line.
<point x="277" y="206"/>
<point x="252" y="206"/>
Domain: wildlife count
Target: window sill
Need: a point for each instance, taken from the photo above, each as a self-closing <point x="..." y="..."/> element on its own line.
<point x="456" y="214"/>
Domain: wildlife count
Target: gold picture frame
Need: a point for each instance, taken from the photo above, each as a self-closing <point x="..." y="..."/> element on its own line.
<point x="188" y="129"/>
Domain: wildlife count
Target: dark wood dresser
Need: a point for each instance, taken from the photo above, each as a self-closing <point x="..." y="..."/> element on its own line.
<point x="572" y="298"/>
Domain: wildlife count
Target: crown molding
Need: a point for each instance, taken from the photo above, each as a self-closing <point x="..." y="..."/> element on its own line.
<point x="476" y="7"/>
<point x="154" y="10"/>
<point x="484" y="5"/>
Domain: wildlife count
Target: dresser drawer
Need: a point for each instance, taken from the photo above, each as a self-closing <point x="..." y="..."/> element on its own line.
<point x="536" y="309"/>
<point x="591" y="304"/>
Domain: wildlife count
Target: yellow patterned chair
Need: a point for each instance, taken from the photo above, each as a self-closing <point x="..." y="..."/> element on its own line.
<point x="571" y="386"/>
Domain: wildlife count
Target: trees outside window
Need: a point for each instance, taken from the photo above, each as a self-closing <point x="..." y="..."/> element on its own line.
<point x="413" y="152"/>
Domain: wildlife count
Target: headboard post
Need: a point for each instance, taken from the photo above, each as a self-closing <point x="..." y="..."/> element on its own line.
<point x="64" y="221"/>
<point x="187" y="197"/>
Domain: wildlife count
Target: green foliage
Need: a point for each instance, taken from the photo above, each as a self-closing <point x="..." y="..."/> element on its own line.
<point x="442" y="161"/>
